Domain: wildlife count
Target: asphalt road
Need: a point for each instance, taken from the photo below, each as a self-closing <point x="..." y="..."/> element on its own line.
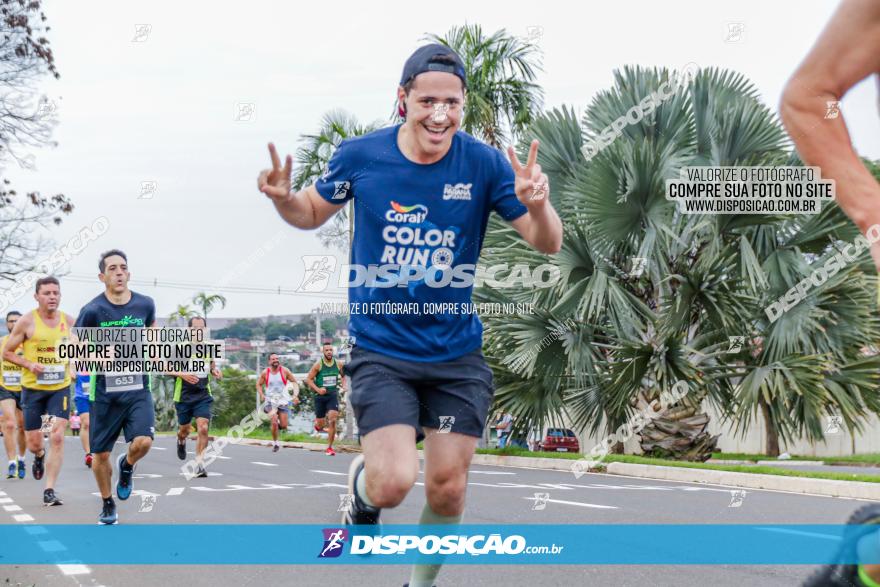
<point x="252" y="485"/>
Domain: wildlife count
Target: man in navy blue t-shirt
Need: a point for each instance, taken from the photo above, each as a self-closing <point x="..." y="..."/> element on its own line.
<point x="119" y="402"/>
<point x="423" y="192"/>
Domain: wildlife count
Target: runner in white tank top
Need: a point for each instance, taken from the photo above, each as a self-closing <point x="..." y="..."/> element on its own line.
<point x="276" y="397"/>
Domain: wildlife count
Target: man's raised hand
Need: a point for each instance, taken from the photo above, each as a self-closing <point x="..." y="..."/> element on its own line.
<point x="531" y="186"/>
<point x="275" y="182"/>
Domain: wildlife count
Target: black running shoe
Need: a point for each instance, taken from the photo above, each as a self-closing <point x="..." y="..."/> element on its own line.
<point x="49" y="498"/>
<point x="201" y="472"/>
<point x="358" y="513"/>
<point x="125" y="481"/>
<point x="37" y="468"/>
<point x="845" y="575"/>
<point x="275" y="448"/>
<point x="108" y="513"/>
<point x="181" y="449"/>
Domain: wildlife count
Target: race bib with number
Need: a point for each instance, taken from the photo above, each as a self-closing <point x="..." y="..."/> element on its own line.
<point x="329" y="380"/>
<point x="12" y="378"/>
<point x="51" y="374"/>
<point x="123" y="382"/>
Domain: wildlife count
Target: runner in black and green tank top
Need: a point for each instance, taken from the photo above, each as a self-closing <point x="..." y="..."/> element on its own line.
<point x="192" y="400"/>
<point x="325" y="379"/>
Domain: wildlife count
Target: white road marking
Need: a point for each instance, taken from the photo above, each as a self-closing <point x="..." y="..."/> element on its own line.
<point x="37" y="529"/>
<point x="703" y="489"/>
<point x="51" y="545"/>
<point x="799" y="533"/>
<point x="175" y="491"/>
<point x="605" y="486"/>
<point x="75" y="569"/>
<point x="134" y="492"/>
<point x="577" y="503"/>
<point x="12" y="508"/>
<point x="268" y="486"/>
<point x="263" y="464"/>
<point x="512" y="485"/>
<point x="147" y="476"/>
<point x="494" y="472"/>
<point x="329" y="472"/>
<point x="6" y="500"/>
<point x="23" y="518"/>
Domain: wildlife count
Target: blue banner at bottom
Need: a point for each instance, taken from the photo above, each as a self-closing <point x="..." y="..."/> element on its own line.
<point x="568" y="544"/>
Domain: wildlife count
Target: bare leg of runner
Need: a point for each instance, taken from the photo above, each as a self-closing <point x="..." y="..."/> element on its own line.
<point x="56" y="452"/>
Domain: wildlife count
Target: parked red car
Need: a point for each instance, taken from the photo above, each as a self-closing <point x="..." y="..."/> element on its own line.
<point x="560" y="440"/>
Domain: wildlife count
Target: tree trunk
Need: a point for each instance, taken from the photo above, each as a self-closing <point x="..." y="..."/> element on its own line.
<point x="772" y="448"/>
<point x="679" y="434"/>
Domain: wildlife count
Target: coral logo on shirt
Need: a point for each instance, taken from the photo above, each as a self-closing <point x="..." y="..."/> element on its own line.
<point x="406" y="214"/>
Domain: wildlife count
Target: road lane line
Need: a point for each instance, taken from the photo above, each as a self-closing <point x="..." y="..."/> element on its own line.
<point x="577" y="503"/>
<point x="175" y="491"/>
<point x="329" y="472"/>
<point x="264" y="464"/>
<point x="75" y="569"/>
<point x="23" y="518"/>
<point x="800" y="533"/>
<point x="494" y="472"/>
<point x="51" y="546"/>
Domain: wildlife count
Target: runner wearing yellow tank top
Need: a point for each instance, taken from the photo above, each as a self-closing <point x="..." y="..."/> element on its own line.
<point x="45" y="380"/>
<point x="10" y="404"/>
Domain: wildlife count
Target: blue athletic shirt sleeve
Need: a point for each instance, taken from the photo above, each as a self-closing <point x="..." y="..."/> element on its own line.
<point x="503" y="197"/>
<point x="86" y="318"/>
<point x="337" y="184"/>
<point x="151" y="312"/>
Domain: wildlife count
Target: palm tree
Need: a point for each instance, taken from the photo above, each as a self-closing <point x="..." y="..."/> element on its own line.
<point x="312" y="159"/>
<point x="707" y="278"/>
<point x="181" y="315"/>
<point x="207" y="302"/>
<point x="502" y="96"/>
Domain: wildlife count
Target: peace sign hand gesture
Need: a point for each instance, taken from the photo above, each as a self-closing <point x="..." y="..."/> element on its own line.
<point x="531" y="186"/>
<point x="275" y="182"/>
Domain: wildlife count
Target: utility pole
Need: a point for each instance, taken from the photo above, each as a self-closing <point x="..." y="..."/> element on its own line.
<point x="317" y="312"/>
<point x="257" y="393"/>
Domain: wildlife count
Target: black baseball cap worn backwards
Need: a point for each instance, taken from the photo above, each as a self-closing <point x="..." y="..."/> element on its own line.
<point x="425" y="59"/>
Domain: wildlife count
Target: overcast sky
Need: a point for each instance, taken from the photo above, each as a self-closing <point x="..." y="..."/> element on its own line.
<point x="160" y="105"/>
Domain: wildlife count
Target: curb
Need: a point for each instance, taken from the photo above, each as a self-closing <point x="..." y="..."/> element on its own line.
<point x="791" y="463"/>
<point x="829" y="487"/>
<point x="290" y="444"/>
<point x="525" y="462"/>
<point x="776" y="463"/>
